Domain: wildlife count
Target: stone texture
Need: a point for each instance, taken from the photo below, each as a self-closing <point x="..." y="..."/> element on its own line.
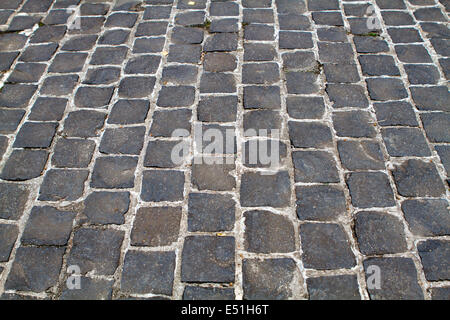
<point x="24" y="165"/>
<point x="434" y="255"/>
<point x="427" y="217"/>
<point x="370" y="189"/>
<point x="62" y="184"/>
<point x="8" y="234"/>
<point x="106" y="207"/>
<point x="114" y="172"/>
<point x="210" y="212"/>
<point x="343" y="287"/>
<point x="162" y="186"/>
<point x="258" y="190"/>
<point x="13" y="198"/>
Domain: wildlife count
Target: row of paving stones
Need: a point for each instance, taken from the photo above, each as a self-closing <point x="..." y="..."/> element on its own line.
<point x="112" y="201"/>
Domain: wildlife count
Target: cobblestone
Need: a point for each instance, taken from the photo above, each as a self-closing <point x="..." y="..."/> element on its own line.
<point x="358" y="110"/>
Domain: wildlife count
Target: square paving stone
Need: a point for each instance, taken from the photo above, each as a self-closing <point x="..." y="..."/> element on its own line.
<point x="397" y="18"/>
<point x="444" y="153"/>
<point x="84" y="123"/>
<point x="184" y="53"/>
<point x="161" y="154"/>
<point x="80" y="43"/>
<point x="310" y="135"/>
<point x="109" y="55"/>
<point x="266" y="232"/>
<point x="107" y="207"/>
<point x="429" y="14"/>
<point x="7" y="59"/>
<point x="27" y="73"/>
<point x="114" y="172"/>
<point x="157" y="12"/>
<point x="427" y="218"/>
<point x="281" y="279"/>
<point x="412" y="54"/>
<point x="151" y="28"/>
<point x="104" y="75"/>
<point x="165" y="122"/>
<point x="416" y="178"/>
<point x="370" y="189"/>
<point x="212" y="82"/>
<point x="48" y="109"/>
<point x="180" y="74"/>
<point x="365" y="44"/>
<point x="59" y="85"/>
<point x="341" y="73"/>
<point x="378" y="65"/>
<point x="258" y="16"/>
<point x="262" y="97"/>
<point x="148" y="272"/>
<point x="224" y="25"/>
<point x="398" y="279"/>
<point x="437" y="126"/>
<point x="60" y="185"/>
<point x="293" y="21"/>
<point x="121" y="20"/>
<point x="397" y="113"/>
<point x="129" y="140"/>
<point x="435" y="259"/>
<point x="176" y="96"/>
<point x="200" y="293"/>
<point x="259" y="190"/>
<point x="347" y="95"/>
<point x="19" y="23"/>
<point x="156" y="227"/>
<point x="259" y="52"/>
<point x="295" y="40"/>
<point x="354" y="124"/>
<point x="35" y="135"/>
<point x="93" y="97"/>
<point x="190" y="18"/>
<point x="441" y="46"/>
<point x="299" y="60"/>
<point x="217" y="109"/>
<point x="379" y="233"/>
<point x="158" y="185"/>
<point x="386" y="89"/>
<point x="145" y="64"/>
<point x="68" y="62"/>
<point x="401" y="142"/>
<point x="210" y="212"/>
<point x="314" y="166"/>
<point x="360" y="155"/>
<point x="73" y="153"/>
<point x="16" y="95"/>
<point x="208" y="259"/>
<point x="333" y="34"/>
<point x="94" y="9"/>
<point x="12" y="41"/>
<point x="10" y="120"/>
<point x="187" y="4"/>
<point x="57" y="17"/>
<point x="320" y="202"/>
<point x="342" y="287"/>
<point x="48" y="226"/>
<point x="302" y="82"/>
<point x="8" y="236"/>
<point x="96" y="251"/>
<point x="325" y="246"/>
<point x="273" y="151"/>
<point x="35" y="269"/>
<point x="129" y="112"/>
<point x="225" y="143"/>
<point x="257" y="120"/>
<point x="260" y="73"/>
<point x="431" y="98"/>
<point x="213" y="174"/>
<point x="91" y="289"/>
<point x="136" y="87"/>
<point x="422" y="74"/>
<point x="219" y="62"/>
<point x="224" y="9"/>
<point x="404" y="35"/>
<point x="335" y="52"/>
<point x="24" y="165"/>
<point x="38" y="53"/>
<point x="328" y="18"/>
<point x="259" y="32"/>
<point x="184" y="35"/>
<point x="221" y="42"/>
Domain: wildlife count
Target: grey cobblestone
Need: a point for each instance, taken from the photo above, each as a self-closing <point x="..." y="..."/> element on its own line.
<point x="86" y="175"/>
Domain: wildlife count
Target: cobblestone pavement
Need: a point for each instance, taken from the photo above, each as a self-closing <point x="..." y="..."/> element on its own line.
<point x="358" y="208"/>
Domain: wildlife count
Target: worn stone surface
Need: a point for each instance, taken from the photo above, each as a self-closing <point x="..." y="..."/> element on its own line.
<point x="434" y="255"/>
<point x="107" y="207"/>
<point x="343" y="287"/>
<point x="210" y="212"/>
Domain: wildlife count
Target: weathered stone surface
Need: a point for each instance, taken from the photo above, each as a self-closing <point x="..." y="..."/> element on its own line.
<point x="431" y="98"/>
<point x="136" y="87"/>
<point x="35" y="135"/>
<point x="129" y="112"/>
<point x="162" y="185"/>
<point x="16" y="95"/>
<point x="437" y="126"/>
<point x="435" y="259"/>
<point x="427" y="217"/>
<point x="212" y="175"/>
<point x="165" y="122"/>
<point x="314" y="166"/>
<point x="208" y="259"/>
<point x="176" y="96"/>
<point x="415" y="178"/>
<point x="262" y="97"/>
<point x="73" y="153"/>
<point x="128" y="140"/>
<point x="84" y="123"/>
<point x="159" y="154"/>
<point x="114" y="172"/>
<point x="48" y="109"/>
<point x="63" y="185"/>
<point x="343" y="287"/>
<point x="347" y="95"/>
<point x="320" y="202"/>
<point x="8" y="236"/>
<point x="219" y="62"/>
<point x="258" y="190"/>
<point x="402" y="142"/>
<point x="210" y="212"/>
<point x="217" y="109"/>
<point x="48" y="226"/>
<point x="200" y="293"/>
<point x="281" y="277"/>
<point x="91" y="289"/>
<point x="399" y="280"/>
<point x="11" y="119"/>
<point x="266" y="232"/>
<point x="96" y="250"/>
<point x="13" y="198"/>
<point x="360" y="155"/>
<point x="325" y="246"/>
<point x="106" y="207"/>
<point x="309" y="135"/>
<point x="148" y="272"/>
<point x="156" y="227"/>
<point x="24" y="165"/>
<point x="370" y="189"/>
